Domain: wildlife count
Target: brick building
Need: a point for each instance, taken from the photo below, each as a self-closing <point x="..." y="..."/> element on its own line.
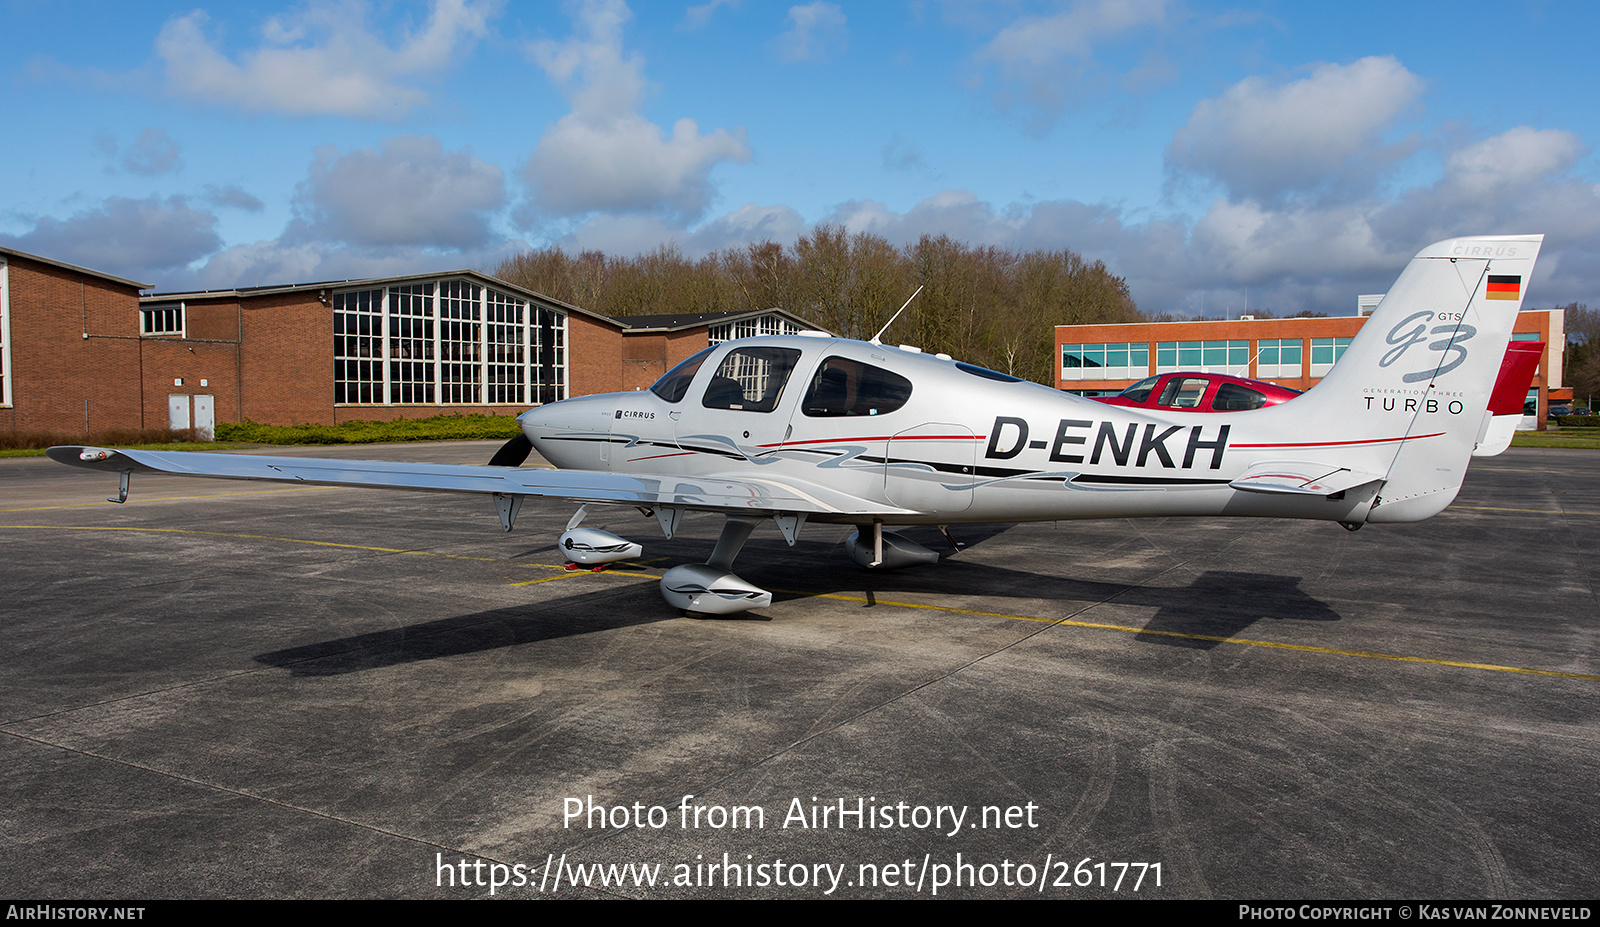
<point x="70" y="352"/>
<point x="82" y="351"/>
<point x="1094" y="360"/>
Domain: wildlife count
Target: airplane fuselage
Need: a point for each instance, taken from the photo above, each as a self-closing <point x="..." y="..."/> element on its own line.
<point x="962" y="446"/>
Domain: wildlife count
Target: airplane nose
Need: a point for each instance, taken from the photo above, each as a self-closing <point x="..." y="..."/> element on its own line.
<point x="559" y="417"/>
<point x="568" y="433"/>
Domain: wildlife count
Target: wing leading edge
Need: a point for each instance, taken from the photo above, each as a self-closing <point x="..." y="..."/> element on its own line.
<point x="721" y="494"/>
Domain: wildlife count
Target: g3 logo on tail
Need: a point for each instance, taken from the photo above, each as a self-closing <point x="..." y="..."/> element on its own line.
<point x="1413" y="329"/>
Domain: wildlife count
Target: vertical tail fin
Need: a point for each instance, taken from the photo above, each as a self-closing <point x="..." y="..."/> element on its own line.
<point x="1415" y="381"/>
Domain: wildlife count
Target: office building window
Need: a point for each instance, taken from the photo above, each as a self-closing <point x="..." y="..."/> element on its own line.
<point x="1108" y="361"/>
<point x="1206" y="356"/>
<point x="1280" y="357"/>
<point x="164" y="319"/>
<point x="1325" y="352"/>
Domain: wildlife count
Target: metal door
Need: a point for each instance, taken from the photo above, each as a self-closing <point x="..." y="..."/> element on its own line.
<point x="205" y="417"/>
<point x="177" y="411"/>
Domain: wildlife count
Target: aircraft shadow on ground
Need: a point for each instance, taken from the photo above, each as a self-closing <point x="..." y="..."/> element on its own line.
<point x="464" y="634"/>
<point x="1216" y="604"/>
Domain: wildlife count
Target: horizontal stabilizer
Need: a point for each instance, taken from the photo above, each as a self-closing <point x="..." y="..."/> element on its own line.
<point x="1497" y="434"/>
<point x="1301" y="478"/>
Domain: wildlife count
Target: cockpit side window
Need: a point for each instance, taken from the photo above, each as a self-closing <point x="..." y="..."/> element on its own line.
<point x="751" y="379"/>
<point x="675" y="382"/>
<point x="846" y="387"/>
<point x="1184" y="392"/>
<point x="1232" y="397"/>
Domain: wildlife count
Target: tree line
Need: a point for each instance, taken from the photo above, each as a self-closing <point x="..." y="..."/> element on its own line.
<point x="1581" y="367"/>
<point x="981" y="304"/>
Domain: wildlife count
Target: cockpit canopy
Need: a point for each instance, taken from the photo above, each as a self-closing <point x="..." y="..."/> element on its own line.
<point x="751" y="378"/>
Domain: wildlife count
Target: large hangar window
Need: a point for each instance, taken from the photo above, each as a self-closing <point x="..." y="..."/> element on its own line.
<point x="358" y="347"/>
<point x="446" y="342"/>
<point x="750" y="328"/>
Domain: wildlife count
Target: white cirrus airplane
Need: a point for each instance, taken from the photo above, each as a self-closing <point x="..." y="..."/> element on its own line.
<point x="814" y="428"/>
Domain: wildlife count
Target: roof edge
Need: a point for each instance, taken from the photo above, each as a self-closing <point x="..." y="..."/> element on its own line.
<point x="12" y="252"/>
<point x="368" y="282"/>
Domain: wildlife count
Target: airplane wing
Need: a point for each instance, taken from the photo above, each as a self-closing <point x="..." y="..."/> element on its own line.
<point x="724" y="494"/>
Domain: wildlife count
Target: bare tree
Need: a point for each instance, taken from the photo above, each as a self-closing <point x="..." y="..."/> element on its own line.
<point x="986" y="305"/>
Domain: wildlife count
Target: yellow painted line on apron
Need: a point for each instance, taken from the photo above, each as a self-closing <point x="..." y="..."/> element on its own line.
<point x="1245" y="642"/>
<point x="1491" y="508"/>
<point x="1066" y="622"/>
<point x="215" y="495"/>
<point x="268" y="537"/>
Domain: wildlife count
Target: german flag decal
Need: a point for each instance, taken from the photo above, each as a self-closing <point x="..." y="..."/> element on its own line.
<point x="1505" y="286"/>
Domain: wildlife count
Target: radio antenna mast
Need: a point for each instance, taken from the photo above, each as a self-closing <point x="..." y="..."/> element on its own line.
<point x="878" y="338"/>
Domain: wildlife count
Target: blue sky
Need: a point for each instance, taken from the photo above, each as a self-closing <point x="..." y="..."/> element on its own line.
<point x="1287" y="154"/>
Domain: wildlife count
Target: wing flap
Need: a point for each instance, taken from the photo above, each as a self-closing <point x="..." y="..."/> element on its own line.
<point x="720" y="493"/>
<point x="1301" y="478"/>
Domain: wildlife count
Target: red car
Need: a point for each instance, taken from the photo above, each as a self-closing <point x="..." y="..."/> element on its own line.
<point x="1221" y="392"/>
<point x="1201" y="392"/>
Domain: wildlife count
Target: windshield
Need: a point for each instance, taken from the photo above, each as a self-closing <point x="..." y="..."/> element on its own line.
<point x="1140" y="391"/>
<point x="675" y="382"/>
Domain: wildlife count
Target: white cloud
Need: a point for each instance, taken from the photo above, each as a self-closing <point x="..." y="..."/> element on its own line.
<point x="233" y="196"/>
<point x="1518" y="181"/>
<point x="152" y="152"/>
<point x="901" y="155"/>
<point x="277" y="261"/>
<point x="749" y="223"/>
<point x="957" y="213"/>
<point x="604" y="156"/>
<point x="816" y="32"/>
<point x="322" y="61"/>
<point x="1246" y="243"/>
<point x="636" y="234"/>
<point x="411" y="192"/>
<point x="1072" y="33"/>
<point x="1052" y="56"/>
<point x="128" y="237"/>
<point x="1320" y="132"/>
<point x="699" y="16"/>
<point x="1515" y="157"/>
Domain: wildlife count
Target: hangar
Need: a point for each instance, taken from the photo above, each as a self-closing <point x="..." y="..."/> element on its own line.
<point x="70" y="355"/>
<point x="1095" y="360"/>
<point x="83" y="351"/>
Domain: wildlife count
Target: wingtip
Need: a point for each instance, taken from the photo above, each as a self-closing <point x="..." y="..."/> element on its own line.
<point x="94" y="458"/>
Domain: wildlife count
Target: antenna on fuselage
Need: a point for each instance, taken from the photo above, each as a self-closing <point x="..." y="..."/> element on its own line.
<point x="877" y="339"/>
